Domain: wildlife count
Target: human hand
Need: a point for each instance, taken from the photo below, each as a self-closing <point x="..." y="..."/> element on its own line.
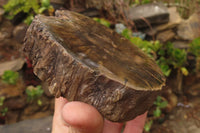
<point x="79" y="117"/>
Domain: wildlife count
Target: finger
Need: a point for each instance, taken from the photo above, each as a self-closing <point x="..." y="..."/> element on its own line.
<point x="112" y="127"/>
<point x="57" y="118"/>
<point x="82" y="118"/>
<point x="136" y="125"/>
<point x="59" y="104"/>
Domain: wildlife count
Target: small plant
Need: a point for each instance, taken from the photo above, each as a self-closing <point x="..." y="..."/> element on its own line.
<point x="30" y="7"/>
<point x="34" y="93"/>
<point x="160" y="103"/>
<point x="2" y="98"/>
<point x="170" y="56"/>
<point x="149" y="47"/>
<point x="166" y="55"/>
<point x="147" y="126"/>
<point x="10" y="77"/>
<point x="45" y="5"/>
<point x="102" y="21"/>
<point x="13" y="7"/>
<point x="4" y="110"/>
<point x="195" y="49"/>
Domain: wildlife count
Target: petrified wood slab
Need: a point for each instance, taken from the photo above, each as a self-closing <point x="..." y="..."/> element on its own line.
<point x="85" y="61"/>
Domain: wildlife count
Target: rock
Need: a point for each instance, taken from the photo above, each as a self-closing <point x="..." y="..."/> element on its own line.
<point x="6" y="29"/>
<point x="19" y="32"/>
<point x="10" y="91"/>
<point x="174" y="20"/>
<point x="113" y="9"/>
<point x="13" y="65"/>
<point x="190" y="29"/>
<point x="83" y="60"/>
<point x="165" y="36"/>
<point x="12" y="116"/>
<point x="42" y="125"/>
<point x="13" y="47"/>
<point x="36" y="115"/>
<point x="191" y="85"/>
<point x="194" y="90"/>
<point x="143" y="15"/>
<point x="171" y="99"/>
<point x="139" y="34"/>
<point x="33" y="107"/>
<point x="1" y="14"/>
<point x="16" y="102"/>
<point x="119" y="28"/>
<point x="182" y="120"/>
<point x="181" y="44"/>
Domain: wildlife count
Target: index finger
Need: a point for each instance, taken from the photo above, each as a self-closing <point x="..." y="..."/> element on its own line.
<point x="136" y="125"/>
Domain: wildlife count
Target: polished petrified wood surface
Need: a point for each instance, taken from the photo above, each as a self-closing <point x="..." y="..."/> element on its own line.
<point x="85" y="61"/>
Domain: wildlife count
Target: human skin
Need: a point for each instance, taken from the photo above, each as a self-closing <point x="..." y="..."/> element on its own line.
<point x="79" y="117"/>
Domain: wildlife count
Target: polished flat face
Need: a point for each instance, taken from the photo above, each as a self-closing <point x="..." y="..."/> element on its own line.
<point x="104" y="51"/>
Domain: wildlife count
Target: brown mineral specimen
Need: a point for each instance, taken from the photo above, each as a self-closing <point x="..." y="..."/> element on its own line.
<point x="85" y="61"/>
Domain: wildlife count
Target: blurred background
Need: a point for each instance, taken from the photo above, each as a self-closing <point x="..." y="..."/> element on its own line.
<point x="166" y="30"/>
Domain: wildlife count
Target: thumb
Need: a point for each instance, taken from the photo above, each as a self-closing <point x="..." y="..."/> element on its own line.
<point x="82" y="118"/>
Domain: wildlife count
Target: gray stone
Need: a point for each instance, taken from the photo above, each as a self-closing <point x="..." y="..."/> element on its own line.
<point x="16" y="102"/>
<point x="181" y="44"/>
<point x="174" y="20"/>
<point x="12" y="91"/>
<point x="42" y="125"/>
<point x="19" y="32"/>
<point x="190" y="28"/>
<point x="6" y="29"/>
<point x="13" y="65"/>
<point x="119" y="28"/>
<point x="12" y="116"/>
<point x="143" y="15"/>
<point x="165" y="36"/>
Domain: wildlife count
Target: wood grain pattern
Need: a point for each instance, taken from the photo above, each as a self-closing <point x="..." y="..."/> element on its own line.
<point x="85" y="61"/>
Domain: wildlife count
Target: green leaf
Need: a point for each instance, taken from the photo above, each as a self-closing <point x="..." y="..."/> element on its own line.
<point x="127" y="33"/>
<point x="184" y="71"/>
<point x="34" y="93"/>
<point x="147" y="126"/>
<point x="163" y="104"/>
<point x="166" y="70"/>
<point x="195" y="47"/>
<point x="102" y="21"/>
<point x="29" y="19"/>
<point x="45" y="3"/>
<point x="39" y="102"/>
<point x="145" y="1"/>
<point x="157" y="112"/>
<point x="10" y="77"/>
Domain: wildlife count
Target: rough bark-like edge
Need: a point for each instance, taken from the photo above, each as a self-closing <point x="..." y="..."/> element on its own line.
<point x="45" y="54"/>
